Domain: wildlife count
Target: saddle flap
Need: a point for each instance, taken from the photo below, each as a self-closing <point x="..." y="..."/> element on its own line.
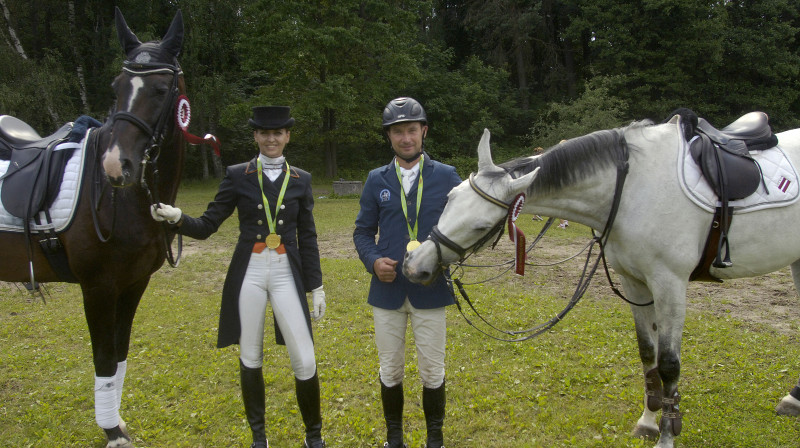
<point x="731" y="175"/>
<point x="33" y="180"/>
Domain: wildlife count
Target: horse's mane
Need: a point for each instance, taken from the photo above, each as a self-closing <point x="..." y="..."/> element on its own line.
<point x="575" y="159"/>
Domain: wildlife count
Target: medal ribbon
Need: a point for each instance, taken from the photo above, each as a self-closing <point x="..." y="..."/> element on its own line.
<point x="516" y="234"/>
<point x="270" y="221"/>
<point x="412" y="233"/>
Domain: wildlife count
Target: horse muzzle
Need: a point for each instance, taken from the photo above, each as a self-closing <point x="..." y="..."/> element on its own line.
<point x="422" y="266"/>
<point x="120" y="172"/>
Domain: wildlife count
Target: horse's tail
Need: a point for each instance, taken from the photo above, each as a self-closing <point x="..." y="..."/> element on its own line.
<point x="688" y="121"/>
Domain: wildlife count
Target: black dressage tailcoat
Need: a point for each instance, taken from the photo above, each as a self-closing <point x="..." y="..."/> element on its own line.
<point x="295" y="224"/>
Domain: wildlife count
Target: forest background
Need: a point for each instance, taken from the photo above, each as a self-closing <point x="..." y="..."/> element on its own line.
<point x="532" y="72"/>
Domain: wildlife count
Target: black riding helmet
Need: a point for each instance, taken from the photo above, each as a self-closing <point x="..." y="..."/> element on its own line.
<point x="403" y="109"/>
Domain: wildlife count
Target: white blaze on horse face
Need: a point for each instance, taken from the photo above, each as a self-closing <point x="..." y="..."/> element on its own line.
<point x="137" y="83"/>
<point x="112" y="159"/>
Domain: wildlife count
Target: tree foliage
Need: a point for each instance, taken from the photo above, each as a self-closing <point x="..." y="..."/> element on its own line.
<point x="532" y="71"/>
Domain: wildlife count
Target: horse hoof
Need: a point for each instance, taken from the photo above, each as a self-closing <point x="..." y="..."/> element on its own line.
<point x="118" y="437"/>
<point x="788" y="406"/>
<point x="120" y="443"/>
<point x="646" y="432"/>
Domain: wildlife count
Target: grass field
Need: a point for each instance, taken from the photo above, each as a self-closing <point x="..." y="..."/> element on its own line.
<point x="579" y="385"/>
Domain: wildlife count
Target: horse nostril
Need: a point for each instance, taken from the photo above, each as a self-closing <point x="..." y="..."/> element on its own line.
<point x="127" y="168"/>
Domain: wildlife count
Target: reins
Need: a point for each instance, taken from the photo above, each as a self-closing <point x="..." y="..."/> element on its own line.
<point x="587" y="274"/>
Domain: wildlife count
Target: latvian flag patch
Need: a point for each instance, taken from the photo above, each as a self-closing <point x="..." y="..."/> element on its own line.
<point x="783" y="185"/>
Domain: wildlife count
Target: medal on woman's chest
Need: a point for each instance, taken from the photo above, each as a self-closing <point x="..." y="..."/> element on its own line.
<point x="412" y="232"/>
<point x="273" y="240"/>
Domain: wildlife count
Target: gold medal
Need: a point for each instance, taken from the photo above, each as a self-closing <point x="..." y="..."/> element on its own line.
<point x="413" y="244"/>
<point x="273" y="240"/>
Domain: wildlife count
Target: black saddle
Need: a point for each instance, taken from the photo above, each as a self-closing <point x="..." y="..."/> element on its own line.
<point x="724" y="155"/>
<point x="724" y="158"/>
<point x="36" y="168"/>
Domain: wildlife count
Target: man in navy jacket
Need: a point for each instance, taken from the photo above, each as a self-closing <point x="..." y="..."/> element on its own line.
<point x="401" y="202"/>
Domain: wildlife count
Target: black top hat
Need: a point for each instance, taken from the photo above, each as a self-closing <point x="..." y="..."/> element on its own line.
<point x="271" y="117"/>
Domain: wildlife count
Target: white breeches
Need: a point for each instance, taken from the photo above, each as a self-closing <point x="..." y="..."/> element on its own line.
<point x="269" y="279"/>
<point x="430" y="337"/>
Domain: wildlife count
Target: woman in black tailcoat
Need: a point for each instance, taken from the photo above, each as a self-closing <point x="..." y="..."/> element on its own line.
<point x="275" y="261"/>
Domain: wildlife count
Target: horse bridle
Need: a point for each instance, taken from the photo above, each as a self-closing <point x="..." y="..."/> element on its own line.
<point x="439" y="239"/>
<point x="156" y="135"/>
<point x="152" y="149"/>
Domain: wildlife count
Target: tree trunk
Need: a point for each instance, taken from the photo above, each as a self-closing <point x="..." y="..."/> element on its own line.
<point x="522" y="77"/>
<point x="15" y="43"/>
<point x="329" y="125"/>
<point x="78" y="64"/>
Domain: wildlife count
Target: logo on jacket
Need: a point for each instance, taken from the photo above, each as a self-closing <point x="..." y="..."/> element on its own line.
<point x="385" y="195"/>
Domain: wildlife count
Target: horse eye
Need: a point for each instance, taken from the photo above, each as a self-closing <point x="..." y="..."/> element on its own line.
<point x="161" y="89"/>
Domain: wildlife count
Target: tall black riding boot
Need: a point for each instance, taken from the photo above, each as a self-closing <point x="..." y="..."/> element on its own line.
<point x="433" y="404"/>
<point x="253" y="396"/>
<point x="392" y="398"/>
<point x="308" y="400"/>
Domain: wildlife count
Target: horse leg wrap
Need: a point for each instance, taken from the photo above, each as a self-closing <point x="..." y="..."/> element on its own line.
<point x="653" y="389"/>
<point x="671" y="413"/>
<point x="106" y="410"/>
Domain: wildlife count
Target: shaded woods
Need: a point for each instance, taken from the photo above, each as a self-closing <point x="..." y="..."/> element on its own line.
<point x="533" y="72"/>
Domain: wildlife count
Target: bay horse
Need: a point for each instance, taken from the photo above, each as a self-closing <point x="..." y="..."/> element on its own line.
<point x="654" y="244"/>
<point x="113" y="245"/>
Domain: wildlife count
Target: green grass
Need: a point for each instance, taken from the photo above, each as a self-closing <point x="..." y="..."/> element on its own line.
<point x="579" y="385"/>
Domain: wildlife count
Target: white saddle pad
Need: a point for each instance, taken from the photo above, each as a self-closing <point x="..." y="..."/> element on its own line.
<point x="63" y="208"/>
<point x="780" y="178"/>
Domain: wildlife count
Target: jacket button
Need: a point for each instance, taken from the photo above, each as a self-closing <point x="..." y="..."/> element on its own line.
<point x="280" y="221"/>
<point x="260" y="206"/>
<point x="260" y="222"/>
<point x="283" y="206"/>
<point x="258" y="237"/>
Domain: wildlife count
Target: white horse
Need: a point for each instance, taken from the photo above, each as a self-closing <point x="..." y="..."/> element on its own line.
<point x="654" y="244"/>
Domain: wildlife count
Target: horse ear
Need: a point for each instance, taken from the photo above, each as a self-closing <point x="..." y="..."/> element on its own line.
<point x="523" y="183"/>
<point x="172" y="41"/>
<point x="127" y="39"/>
<point x="484" y="152"/>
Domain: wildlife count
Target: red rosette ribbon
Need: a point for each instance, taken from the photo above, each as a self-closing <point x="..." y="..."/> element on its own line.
<point x="515" y="233"/>
<point x="183" y="116"/>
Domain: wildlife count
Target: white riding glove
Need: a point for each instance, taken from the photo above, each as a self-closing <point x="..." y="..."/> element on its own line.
<point x="164" y="212"/>
<point x="317" y="303"/>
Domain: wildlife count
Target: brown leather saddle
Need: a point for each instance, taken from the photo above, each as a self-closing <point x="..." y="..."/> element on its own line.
<point x="725" y="161"/>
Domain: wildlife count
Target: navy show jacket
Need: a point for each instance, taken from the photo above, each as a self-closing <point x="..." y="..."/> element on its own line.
<point x="381" y="214"/>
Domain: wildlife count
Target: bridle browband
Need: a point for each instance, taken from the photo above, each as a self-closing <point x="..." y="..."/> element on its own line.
<point x="152" y="149"/>
<point x="438" y="238"/>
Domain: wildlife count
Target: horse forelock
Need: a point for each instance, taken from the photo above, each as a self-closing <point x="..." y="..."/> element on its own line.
<point x="573" y="160"/>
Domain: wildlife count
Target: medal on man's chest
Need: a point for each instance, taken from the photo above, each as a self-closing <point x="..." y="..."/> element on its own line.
<point x="413" y="244"/>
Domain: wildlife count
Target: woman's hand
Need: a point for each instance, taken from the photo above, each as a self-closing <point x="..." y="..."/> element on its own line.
<point x="163" y="212"/>
<point x="317" y="303"/>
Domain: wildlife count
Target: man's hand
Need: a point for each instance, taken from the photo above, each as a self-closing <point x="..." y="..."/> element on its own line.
<point x="384" y="269"/>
